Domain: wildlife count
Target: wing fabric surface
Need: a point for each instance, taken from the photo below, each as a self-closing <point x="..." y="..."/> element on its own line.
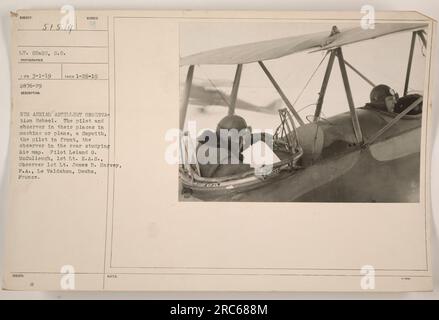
<point x="257" y="51"/>
<point x="359" y="34"/>
<point x="277" y="48"/>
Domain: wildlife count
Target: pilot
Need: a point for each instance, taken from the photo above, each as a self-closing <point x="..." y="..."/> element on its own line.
<point x="220" y="153"/>
<point x="383" y="98"/>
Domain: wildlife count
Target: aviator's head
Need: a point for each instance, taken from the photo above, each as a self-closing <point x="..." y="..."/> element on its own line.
<point x="382" y="96"/>
<point x="232" y="128"/>
<point x="231" y="122"/>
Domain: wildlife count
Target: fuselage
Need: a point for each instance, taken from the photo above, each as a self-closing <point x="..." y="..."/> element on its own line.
<point x="335" y="168"/>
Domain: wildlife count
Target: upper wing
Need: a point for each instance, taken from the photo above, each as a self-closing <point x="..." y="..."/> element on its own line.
<point x="277" y="48"/>
<point x="381" y="29"/>
<point x="257" y="51"/>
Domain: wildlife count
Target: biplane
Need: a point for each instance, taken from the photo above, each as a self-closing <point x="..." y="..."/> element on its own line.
<point x="366" y="154"/>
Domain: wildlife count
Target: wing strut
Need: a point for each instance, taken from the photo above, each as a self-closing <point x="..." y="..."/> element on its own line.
<point x="356" y="124"/>
<point x="354" y="116"/>
<point x="234" y="94"/>
<point x="410" y="62"/>
<point x="421" y="35"/>
<point x="322" y="92"/>
<point x="281" y="93"/>
<point x="187" y="92"/>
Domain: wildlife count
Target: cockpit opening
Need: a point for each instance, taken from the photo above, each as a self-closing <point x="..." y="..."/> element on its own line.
<point x="384" y="98"/>
<point x="235" y="150"/>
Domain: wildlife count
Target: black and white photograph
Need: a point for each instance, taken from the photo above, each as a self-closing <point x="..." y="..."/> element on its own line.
<point x="301" y="112"/>
<point x="219" y="153"/>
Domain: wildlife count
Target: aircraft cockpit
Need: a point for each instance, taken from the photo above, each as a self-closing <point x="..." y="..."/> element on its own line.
<point x="384" y="98"/>
<point x="233" y="149"/>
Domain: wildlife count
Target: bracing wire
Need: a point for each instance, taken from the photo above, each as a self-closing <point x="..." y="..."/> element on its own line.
<point x="309" y="80"/>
